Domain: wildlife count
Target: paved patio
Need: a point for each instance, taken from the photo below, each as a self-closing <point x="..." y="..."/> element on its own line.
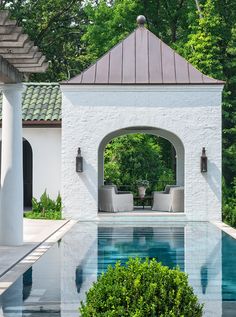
<point x="35" y="232"/>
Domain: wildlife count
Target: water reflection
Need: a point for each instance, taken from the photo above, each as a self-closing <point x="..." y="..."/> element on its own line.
<point x="204" y="278"/>
<point x="79" y="277"/>
<point x="164" y="244"/>
<point x="229" y="275"/>
<point x="12" y="300"/>
<point x="27" y="283"/>
<point x="59" y="280"/>
<point x="37" y="291"/>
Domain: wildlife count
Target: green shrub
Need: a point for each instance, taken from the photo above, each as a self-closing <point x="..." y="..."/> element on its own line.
<point x="229" y="204"/>
<point x="141" y="289"/>
<point x="47" y="215"/>
<point x="45" y="208"/>
<point x="229" y="213"/>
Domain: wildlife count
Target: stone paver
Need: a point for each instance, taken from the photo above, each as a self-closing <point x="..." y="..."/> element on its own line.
<point x="35" y="232"/>
<point x="142" y="215"/>
<point x="226" y="228"/>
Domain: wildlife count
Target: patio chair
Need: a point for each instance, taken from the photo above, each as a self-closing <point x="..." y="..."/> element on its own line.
<point x="177" y="199"/>
<point x="111" y="200"/>
<point x="168" y="187"/>
<point x="161" y="199"/>
<point x="172" y="199"/>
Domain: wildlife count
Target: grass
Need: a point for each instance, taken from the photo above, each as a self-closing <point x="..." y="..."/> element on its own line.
<point x="49" y="215"/>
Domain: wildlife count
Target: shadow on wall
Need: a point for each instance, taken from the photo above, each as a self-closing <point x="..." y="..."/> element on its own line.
<point x="212" y="177"/>
<point x="27" y="171"/>
<point x="89" y="178"/>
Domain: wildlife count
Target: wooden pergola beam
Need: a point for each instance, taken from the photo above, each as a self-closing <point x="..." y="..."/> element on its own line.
<point x="30" y="63"/>
<point x="20" y="42"/>
<point x="34" y="69"/>
<point x="7" y="29"/>
<point x="12" y="36"/>
<point x="17" y="49"/>
<point x="31" y="54"/>
<point x="8" y="73"/>
<point x="4" y="15"/>
<point x="17" y="59"/>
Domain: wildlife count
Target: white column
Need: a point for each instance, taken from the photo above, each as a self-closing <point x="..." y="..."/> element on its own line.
<point x="11" y="207"/>
<point x="179" y="165"/>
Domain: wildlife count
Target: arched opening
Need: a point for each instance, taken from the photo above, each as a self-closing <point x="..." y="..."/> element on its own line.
<point x="160" y="162"/>
<point x="27" y="171"/>
<point x="139" y="156"/>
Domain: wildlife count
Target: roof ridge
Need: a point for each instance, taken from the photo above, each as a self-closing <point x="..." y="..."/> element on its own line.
<point x="41" y="84"/>
<point x="174" y="68"/>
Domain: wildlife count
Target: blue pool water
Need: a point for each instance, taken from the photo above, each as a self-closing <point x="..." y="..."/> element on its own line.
<point x="57" y="282"/>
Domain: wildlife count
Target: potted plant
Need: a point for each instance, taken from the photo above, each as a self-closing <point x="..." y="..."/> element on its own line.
<point x="142" y="186"/>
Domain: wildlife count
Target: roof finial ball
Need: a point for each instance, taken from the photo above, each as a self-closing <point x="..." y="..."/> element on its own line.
<point x="141" y="20"/>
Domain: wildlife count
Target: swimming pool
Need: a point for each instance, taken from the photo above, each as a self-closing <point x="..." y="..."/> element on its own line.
<point x="57" y="282"/>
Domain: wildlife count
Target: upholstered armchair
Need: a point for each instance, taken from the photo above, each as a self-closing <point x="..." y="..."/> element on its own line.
<point x="171" y="199"/>
<point x="111" y="200"/>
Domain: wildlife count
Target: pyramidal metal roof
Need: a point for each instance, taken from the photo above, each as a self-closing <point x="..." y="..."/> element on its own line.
<point x="142" y="58"/>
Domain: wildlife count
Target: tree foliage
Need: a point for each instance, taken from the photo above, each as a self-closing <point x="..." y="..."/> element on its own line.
<point x="211" y="48"/>
<point x="56" y="26"/>
<point x="203" y="46"/>
<point x="132" y="157"/>
<point x="74" y="33"/>
<point x="111" y="21"/>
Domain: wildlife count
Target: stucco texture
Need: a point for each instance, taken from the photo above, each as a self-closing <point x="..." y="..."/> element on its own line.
<point x="46" y="156"/>
<point x="46" y="148"/>
<point x="191" y="112"/>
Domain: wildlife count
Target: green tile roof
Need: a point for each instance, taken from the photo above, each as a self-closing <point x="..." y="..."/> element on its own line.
<point x="40" y="102"/>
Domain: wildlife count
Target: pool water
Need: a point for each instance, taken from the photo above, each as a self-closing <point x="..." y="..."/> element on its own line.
<point x="56" y="284"/>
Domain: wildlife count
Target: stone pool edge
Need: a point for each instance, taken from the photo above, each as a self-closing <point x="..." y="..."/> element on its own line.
<point x="226" y="228"/>
<point x="17" y="269"/>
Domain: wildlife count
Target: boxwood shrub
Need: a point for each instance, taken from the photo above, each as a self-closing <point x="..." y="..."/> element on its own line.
<point x="141" y="289"/>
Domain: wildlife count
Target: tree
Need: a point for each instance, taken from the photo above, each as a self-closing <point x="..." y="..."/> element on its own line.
<point x="229" y="113"/>
<point x="74" y="33"/>
<point x="108" y="25"/>
<point x="110" y="22"/>
<point x="56" y="26"/>
<point x="203" y="48"/>
<point x="129" y="158"/>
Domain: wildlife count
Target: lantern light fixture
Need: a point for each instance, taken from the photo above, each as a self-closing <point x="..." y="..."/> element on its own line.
<point x="203" y="161"/>
<point x="79" y="162"/>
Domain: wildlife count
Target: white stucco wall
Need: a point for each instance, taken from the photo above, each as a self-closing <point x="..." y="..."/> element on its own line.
<point x="192" y="113"/>
<point x="46" y="147"/>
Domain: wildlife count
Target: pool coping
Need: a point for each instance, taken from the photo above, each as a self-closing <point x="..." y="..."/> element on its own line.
<point x="29" y="258"/>
<point x="141" y="215"/>
<point x="32" y="256"/>
<point x="226" y="228"/>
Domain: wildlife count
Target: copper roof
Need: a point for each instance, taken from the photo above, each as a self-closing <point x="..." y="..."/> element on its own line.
<point x="142" y="58"/>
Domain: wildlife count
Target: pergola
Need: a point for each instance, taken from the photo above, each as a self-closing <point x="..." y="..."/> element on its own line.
<point x="18" y="57"/>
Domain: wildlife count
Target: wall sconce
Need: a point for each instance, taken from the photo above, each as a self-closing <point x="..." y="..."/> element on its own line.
<point x="79" y="162"/>
<point x="203" y="161"/>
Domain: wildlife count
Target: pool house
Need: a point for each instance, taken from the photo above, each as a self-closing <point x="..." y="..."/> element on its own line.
<point x="53" y="137"/>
